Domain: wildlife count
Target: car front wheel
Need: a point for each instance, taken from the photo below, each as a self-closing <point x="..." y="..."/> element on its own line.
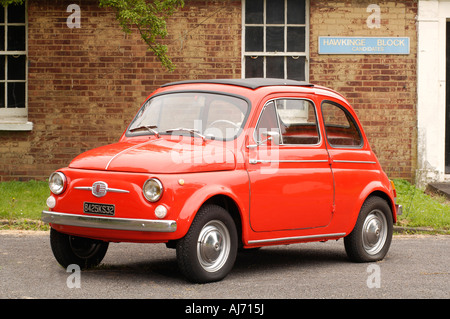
<point x="84" y="252"/>
<point x="208" y="251"/>
<point x="371" y="238"/>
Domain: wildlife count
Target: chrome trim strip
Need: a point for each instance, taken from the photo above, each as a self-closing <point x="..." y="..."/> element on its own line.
<point x="253" y="161"/>
<point x="296" y="238"/>
<point x="123" y="151"/>
<point x="83" y="188"/>
<point x="146" y="225"/>
<point x="354" y="162"/>
<point x="112" y="190"/>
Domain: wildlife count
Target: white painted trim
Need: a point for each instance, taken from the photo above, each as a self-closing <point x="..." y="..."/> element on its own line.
<point x="431" y="84"/>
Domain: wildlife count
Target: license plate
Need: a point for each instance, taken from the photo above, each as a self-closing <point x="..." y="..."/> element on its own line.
<point x="100" y="209"/>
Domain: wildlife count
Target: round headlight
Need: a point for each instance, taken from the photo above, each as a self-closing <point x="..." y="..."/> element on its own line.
<point x="57" y="183"/>
<point x="152" y="190"/>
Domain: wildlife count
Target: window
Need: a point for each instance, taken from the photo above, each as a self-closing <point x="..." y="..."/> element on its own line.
<point x="275" y="39"/>
<point x="216" y="116"/>
<point x="293" y="119"/>
<point x="13" y="68"/>
<point x="340" y="127"/>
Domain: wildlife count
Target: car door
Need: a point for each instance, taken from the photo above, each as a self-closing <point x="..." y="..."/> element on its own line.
<point x="291" y="182"/>
<point x="354" y="164"/>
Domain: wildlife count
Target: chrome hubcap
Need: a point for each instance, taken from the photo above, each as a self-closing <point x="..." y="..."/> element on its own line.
<point x="374" y="232"/>
<point x="213" y="246"/>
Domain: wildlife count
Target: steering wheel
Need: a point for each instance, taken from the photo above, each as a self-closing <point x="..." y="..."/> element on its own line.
<point x="236" y="125"/>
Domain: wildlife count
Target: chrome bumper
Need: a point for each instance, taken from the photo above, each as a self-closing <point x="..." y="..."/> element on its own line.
<point x="146" y="225"/>
<point x="399" y="209"/>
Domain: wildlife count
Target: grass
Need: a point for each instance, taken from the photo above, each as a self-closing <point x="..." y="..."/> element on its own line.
<point x="421" y="209"/>
<point x="21" y="205"/>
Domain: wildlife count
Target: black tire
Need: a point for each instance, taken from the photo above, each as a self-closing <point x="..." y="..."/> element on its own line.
<point x="208" y="251"/>
<point x="371" y="238"/>
<point x="84" y="252"/>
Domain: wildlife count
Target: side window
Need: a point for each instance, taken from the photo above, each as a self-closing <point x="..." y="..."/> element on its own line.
<point x="340" y="127"/>
<point x="294" y="119"/>
<point x="268" y="122"/>
<point x="298" y="123"/>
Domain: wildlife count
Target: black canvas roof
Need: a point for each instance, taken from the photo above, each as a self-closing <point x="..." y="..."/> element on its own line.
<point x="252" y="83"/>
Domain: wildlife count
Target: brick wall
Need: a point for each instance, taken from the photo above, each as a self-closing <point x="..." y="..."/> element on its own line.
<point x="86" y="84"/>
<point x="382" y="88"/>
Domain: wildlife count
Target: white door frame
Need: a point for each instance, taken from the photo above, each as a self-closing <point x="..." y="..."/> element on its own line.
<point x="431" y="84"/>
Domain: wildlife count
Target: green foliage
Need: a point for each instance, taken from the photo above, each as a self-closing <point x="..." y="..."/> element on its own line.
<point x="149" y="18"/>
<point x="8" y="2"/>
<point x="22" y="203"/>
<point x="421" y="209"/>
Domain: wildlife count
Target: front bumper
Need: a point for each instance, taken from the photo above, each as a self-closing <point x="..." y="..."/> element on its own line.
<point x="399" y="209"/>
<point x="145" y="225"/>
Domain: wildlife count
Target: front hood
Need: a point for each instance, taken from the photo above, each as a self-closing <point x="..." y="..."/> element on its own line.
<point x="158" y="156"/>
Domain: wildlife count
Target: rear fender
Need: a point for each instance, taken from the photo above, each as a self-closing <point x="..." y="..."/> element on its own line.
<point x="373" y="189"/>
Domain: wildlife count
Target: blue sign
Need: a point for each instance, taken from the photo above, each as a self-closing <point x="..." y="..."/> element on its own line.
<point x="363" y="45"/>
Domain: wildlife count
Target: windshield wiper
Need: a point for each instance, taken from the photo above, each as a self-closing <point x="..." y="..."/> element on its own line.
<point x="150" y="128"/>
<point x="190" y="130"/>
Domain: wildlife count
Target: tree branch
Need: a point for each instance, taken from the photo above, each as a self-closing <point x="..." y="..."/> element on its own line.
<point x="149" y="17"/>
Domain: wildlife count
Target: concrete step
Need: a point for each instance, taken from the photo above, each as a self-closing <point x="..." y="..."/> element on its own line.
<point x="440" y="189"/>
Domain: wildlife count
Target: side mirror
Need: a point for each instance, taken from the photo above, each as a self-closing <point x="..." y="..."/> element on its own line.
<point x="272" y="138"/>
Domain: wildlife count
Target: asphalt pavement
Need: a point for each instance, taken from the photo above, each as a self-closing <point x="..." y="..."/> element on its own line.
<point x="416" y="267"/>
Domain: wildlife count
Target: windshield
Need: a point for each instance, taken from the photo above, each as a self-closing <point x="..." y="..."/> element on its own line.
<point x="214" y="116"/>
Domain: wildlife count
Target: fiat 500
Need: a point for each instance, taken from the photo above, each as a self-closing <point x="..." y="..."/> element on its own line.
<point x="213" y="167"/>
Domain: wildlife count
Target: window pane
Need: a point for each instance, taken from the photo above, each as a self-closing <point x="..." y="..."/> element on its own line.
<point x="275" y="39"/>
<point x="268" y="122"/>
<point x="2" y="67"/>
<point x="2" y="37"/>
<point x="254" y="11"/>
<point x="296" y="39"/>
<point x="296" y="68"/>
<point x="2" y="15"/>
<point x="297" y="121"/>
<point x="275" y="67"/>
<point x="16" y="13"/>
<point x="274" y="12"/>
<point x="254" y="39"/>
<point x="2" y="95"/>
<point x="340" y="127"/>
<point x="16" y="67"/>
<point x="254" y="67"/>
<point x="16" y="95"/>
<point x="16" y="38"/>
<point x="296" y="12"/>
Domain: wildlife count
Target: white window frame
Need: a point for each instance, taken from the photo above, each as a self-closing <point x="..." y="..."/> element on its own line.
<point x="273" y="54"/>
<point x="15" y="119"/>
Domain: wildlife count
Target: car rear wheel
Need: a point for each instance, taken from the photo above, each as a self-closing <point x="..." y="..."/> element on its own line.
<point x="84" y="252"/>
<point x="371" y="238"/>
<point x="208" y="251"/>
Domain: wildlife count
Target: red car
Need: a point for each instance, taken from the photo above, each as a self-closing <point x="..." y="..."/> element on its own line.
<point x="211" y="167"/>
